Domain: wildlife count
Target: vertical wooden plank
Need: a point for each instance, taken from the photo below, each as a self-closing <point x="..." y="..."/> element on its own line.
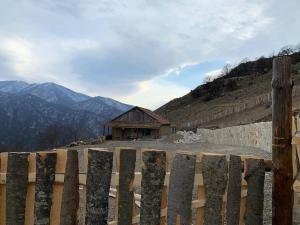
<point x="296" y="187"/>
<point x="16" y="188"/>
<point x="181" y="189"/>
<point x="3" y="169"/>
<point x="70" y="196"/>
<point x="126" y="190"/>
<point x="30" y="198"/>
<point x="234" y="190"/>
<point x="244" y="189"/>
<point x="83" y="164"/>
<point x="295" y="169"/>
<point x="255" y="177"/>
<point x="214" y="170"/>
<point x="200" y="193"/>
<point x="100" y="164"/>
<point x="153" y="176"/>
<point x="58" y="187"/>
<point x="294" y="149"/>
<point x="243" y="205"/>
<point x="200" y="211"/>
<point x="282" y="195"/>
<point x="117" y="171"/>
<point x="164" y="195"/>
<point x="45" y="176"/>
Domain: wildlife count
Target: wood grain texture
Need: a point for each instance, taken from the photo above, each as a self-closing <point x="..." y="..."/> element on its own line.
<point x="214" y="170"/>
<point x="70" y="196"/>
<point x="181" y="189"/>
<point x="45" y="176"/>
<point x="126" y="190"/>
<point x="100" y="164"/>
<point x="255" y="177"/>
<point x="282" y="198"/>
<point x="3" y="169"/>
<point x="234" y="190"/>
<point x="16" y="188"/>
<point x="30" y="197"/>
<point x="153" y="176"/>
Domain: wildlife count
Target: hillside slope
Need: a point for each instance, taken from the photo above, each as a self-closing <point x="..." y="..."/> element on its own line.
<point x="242" y="96"/>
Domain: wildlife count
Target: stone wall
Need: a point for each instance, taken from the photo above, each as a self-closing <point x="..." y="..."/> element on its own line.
<point x="257" y="135"/>
<point x="225" y="110"/>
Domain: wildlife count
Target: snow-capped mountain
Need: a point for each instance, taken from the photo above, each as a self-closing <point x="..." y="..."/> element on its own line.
<point x="54" y="93"/>
<point x="31" y="114"/>
<point x="106" y="107"/>
<point x="12" y="86"/>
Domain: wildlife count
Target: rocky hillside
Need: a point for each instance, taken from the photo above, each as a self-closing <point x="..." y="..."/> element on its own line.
<point x="38" y="116"/>
<point x="242" y="96"/>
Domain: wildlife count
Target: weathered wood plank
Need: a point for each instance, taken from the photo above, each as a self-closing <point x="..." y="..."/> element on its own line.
<point x="126" y="190"/>
<point x="100" y="164"/>
<point x="16" y="188"/>
<point x="153" y="176"/>
<point x="234" y="190"/>
<point x="58" y="186"/>
<point x="30" y="197"/>
<point x="181" y="188"/>
<point x="214" y="170"/>
<point x="255" y="177"/>
<point x="45" y="176"/>
<point x="3" y="169"/>
<point x="282" y="194"/>
<point x="200" y="192"/>
<point x="83" y="162"/>
<point x="70" y="196"/>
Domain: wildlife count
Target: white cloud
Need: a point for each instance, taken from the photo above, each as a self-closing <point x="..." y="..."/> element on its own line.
<point x="107" y="47"/>
<point x="18" y="52"/>
<point x="212" y="75"/>
<point x="154" y="93"/>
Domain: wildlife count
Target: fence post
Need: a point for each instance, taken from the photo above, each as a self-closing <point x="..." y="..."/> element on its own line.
<point x="281" y="141"/>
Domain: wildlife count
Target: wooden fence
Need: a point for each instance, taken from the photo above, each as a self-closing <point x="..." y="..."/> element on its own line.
<point x="56" y="188"/>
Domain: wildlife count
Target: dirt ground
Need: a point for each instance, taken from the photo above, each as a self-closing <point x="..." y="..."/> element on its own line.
<point x="171" y="149"/>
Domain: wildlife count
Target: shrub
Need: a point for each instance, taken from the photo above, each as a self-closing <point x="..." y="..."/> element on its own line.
<point x="232" y="85"/>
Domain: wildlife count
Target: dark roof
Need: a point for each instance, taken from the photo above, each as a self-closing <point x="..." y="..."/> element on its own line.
<point x="152" y="114"/>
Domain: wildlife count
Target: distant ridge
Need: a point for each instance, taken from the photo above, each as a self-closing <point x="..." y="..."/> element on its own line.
<point x="47" y="115"/>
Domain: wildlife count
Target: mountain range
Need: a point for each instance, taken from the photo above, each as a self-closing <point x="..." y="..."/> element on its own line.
<point x="46" y="115"/>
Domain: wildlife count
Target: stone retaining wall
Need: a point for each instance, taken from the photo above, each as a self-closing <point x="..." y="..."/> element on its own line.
<point x="226" y="110"/>
<point x="257" y="135"/>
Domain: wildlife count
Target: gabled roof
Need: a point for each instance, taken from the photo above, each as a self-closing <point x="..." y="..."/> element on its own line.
<point x="150" y="113"/>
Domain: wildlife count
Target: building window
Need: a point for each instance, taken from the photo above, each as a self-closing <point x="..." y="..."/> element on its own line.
<point x="147" y="132"/>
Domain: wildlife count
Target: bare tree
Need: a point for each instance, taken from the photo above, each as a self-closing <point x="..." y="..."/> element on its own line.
<point x="286" y="50"/>
<point x="226" y="69"/>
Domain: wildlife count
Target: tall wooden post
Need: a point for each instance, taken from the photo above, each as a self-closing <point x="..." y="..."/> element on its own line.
<point x="281" y="140"/>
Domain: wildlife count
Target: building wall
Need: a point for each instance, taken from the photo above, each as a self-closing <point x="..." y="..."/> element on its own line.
<point x="165" y="130"/>
<point x="116" y="133"/>
<point x="133" y="133"/>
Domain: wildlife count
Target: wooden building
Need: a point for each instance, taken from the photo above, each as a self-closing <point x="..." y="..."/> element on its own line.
<point x="139" y="123"/>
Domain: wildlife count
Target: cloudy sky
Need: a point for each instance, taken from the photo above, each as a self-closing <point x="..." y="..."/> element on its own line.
<point x="142" y="52"/>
